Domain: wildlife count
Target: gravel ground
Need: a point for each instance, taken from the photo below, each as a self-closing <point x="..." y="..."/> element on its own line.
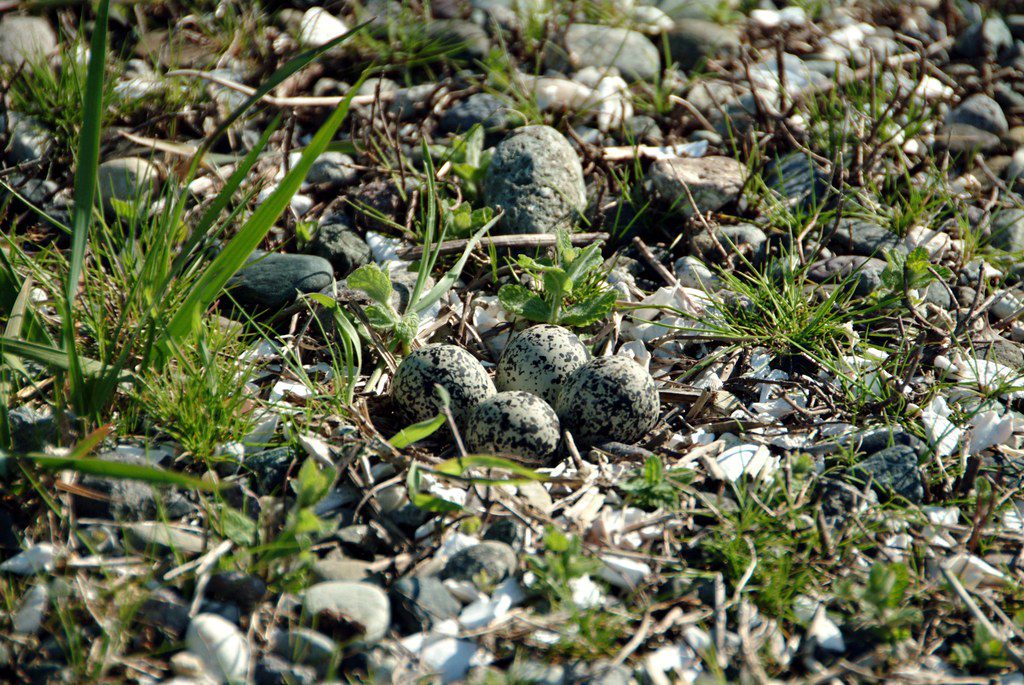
<point x="496" y="341"/>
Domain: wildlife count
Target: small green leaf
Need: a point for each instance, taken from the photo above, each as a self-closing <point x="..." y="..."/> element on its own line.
<point x="520" y="300"/>
<point x="589" y="311"/>
<point x="373" y="281"/>
<point x="432" y="503"/>
<point x="311" y="485"/>
<point x="416" y="432"/>
<point x="381" y="316"/>
<point x="237" y="527"/>
<point x="406" y="328"/>
<point x="460" y="465"/>
<point x="555" y="540"/>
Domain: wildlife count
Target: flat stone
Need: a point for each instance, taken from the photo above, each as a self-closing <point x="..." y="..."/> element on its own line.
<point x="505" y="530"/>
<point x="496" y="559"/>
<point x="695" y="41"/>
<point x="643" y="129"/>
<point x="745" y="239"/>
<point x="1007" y="230"/>
<point x="593" y="45"/>
<point x="269" y="282"/>
<point x="692" y="273"/>
<point x="341" y="569"/>
<point x="981" y="112"/>
<point x="30" y="141"/>
<point x="25" y="39"/>
<point x="308" y="647"/>
<point x="241" y="589"/>
<point x="713" y="181"/>
<point x="149" y="534"/>
<point x="221" y="646"/>
<point x="270" y="468"/>
<point x="129" y="500"/>
<point x="273" y="670"/>
<point x="419" y="603"/>
<point x="31" y="429"/>
<point x="358" y="610"/>
<point x="126" y="179"/>
<point x="963" y="138"/>
<point x="893" y="471"/>
<point x="490" y="111"/>
<point x="332" y="168"/>
<point x="536" y="177"/>
<point x="797" y="180"/>
<point x="868" y="272"/>
<point x="464" y="38"/>
<point x="866" y="238"/>
<point x="337" y="241"/>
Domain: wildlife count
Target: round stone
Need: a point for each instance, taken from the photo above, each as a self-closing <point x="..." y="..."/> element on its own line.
<point x="25" y="39"/>
<point x="126" y="180"/>
<point x="496" y="559"/>
<point x="361" y="606"/>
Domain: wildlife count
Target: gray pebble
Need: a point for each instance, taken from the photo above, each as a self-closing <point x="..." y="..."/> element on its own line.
<point x="496" y="559"/>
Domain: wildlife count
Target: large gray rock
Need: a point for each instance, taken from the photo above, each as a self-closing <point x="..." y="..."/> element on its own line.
<point x="713" y="182"/>
<point x="359" y="607"/>
<point x="593" y="45"/>
<point x="463" y="38"/>
<point x="337" y="241"/>
<point x="694" y="41"/>
<point x="965" y="139"/>
<point x="25" y="39"/>
<point x="272" y="281"/>
<point x="126" y="179"/>
<point x="982" y="112"/>
<point x="129" y="500"/>
<point x="797" y="180"/>
<point x="536" y="177"/>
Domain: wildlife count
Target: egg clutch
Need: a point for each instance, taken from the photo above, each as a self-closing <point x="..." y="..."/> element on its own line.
<point x="546" y="382"/>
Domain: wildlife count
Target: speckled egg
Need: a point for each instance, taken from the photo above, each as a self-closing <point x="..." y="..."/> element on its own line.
<point x="449" y="366"/>
<point x="539" y="359"/>
<point x="513" y="422"/>
<point x="609" y="398"/>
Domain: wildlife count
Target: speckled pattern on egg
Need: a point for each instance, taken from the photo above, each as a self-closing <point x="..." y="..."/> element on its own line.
<point x="449" y="366"/>
<point x="608" y="399"/>
<point x="539" y="359"/>
<point x="513" y="422"/>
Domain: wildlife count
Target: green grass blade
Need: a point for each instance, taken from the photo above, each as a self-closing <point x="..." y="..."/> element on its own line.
<point x="88" y="161"/>
<point x="277" y="78"/>
<point x="233" y="256"/>
<point x="120" y="470"/>
<point x="88" y="150"/>
<point x="445" y="283"/>
<point x="50" y="356"/>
